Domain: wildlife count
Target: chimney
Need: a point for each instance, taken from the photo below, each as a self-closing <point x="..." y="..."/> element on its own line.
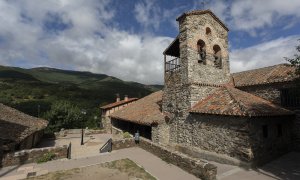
<point x="126" y="98"/>
<point x="118" y="98"/>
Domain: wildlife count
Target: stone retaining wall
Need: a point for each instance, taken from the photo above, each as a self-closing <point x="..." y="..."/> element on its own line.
<point x="32" y="155"/>
<point x="123" y="143"/>
<point x="197" y="167"/>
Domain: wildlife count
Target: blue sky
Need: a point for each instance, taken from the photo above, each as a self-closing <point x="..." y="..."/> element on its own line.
<point x="126" y="38"/>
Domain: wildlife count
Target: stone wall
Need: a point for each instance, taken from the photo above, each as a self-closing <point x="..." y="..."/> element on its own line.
<point x="221" y="134"/>
<point x="160" y="133"/>
<point x="32" y="155"/>
<point x="296" y="131"/>
<point x="197" y="167"/>
<point x="270" y="92"/>
<point x="237" y="137"/>
<point x="106" y="122"/>
<point x="123" y="143"/>
<point x="264" y="149"/>
<point x="31" y="140"/>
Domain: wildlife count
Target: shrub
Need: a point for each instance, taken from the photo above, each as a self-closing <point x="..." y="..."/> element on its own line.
<point x="46" y="157"/>
<point x="126" y="135"/>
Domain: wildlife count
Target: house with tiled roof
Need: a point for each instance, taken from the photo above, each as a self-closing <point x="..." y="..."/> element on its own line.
<point x="249" y="116"/>
<point x="18" y="130"/>
<point x="108" y="109"/>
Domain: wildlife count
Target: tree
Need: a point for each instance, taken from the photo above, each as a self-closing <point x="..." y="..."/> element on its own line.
<point x="296" y="60"/>
<point x="63" y="114"/>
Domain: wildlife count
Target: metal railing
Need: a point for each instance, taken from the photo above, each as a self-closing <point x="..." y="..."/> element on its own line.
<point x="107" y="147"/>
<point x="173" y="65"/>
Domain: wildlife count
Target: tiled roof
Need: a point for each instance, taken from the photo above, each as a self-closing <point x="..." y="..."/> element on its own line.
<point x="198" y="12"/>
<point x="266" y="75"/>
<point x="231" y="101"/>
<point x="15" y="125"/>
<point x="145" y="111"/>
<point x="119" y="103"/>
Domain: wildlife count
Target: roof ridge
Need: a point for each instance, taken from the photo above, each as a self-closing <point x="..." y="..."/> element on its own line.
<point x="241" y="106"/>
<point x="276" y="65"/>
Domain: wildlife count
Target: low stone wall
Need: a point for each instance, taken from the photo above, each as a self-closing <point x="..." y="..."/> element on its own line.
<point x="210" y="156"/>
<point x="32" y="155"/>
<point x="116" y="131"/>
<point x="123" y="143"/>
<point x="197" y="167"/>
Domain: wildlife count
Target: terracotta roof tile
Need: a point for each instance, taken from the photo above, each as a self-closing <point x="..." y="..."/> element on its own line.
<point x="266" y="75"/>
<point x="15" y="125"/>
<point x="227" y="100"/>
<point x="119" y="103"/>
<point x="145" y="111"/>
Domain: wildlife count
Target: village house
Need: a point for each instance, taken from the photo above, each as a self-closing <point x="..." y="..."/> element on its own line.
<point x="111" y="108"/>
<point x="19" y="131"/>
<point x="251" y="116"/>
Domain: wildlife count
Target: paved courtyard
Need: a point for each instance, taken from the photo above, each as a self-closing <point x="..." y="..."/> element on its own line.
<point x="287" y="167"/>
<point x="91" y="147"/>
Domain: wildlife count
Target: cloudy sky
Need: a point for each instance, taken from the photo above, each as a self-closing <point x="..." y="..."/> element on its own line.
<point x="126" y="38"/>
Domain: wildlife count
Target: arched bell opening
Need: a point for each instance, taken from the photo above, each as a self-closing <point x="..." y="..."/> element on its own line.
<point x="201" y="48"/>
<point x="217" y="56"/>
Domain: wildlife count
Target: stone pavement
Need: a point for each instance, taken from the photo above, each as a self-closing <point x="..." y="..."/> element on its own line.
<point x="287" y="167"/>
<point x="152" y="164"/>
<point x="92" y="144"/>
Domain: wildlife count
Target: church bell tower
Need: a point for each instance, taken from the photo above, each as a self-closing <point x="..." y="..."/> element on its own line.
<point x="196" y="62"/>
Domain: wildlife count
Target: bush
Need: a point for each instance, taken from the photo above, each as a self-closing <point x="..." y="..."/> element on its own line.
<point x="46" y="157"/>
<point x="126" y="135"/>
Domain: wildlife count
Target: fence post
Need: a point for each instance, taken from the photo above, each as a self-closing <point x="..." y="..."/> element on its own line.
<point x="69" y="151"/>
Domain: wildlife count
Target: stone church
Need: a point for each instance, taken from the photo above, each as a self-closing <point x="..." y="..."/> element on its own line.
<point x="250" y="116"/>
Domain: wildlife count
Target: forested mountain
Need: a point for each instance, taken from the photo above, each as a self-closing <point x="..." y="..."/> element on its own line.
<point x="33" y="91"/>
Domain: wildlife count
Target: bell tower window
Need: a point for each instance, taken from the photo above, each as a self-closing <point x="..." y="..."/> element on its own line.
<point x="217" y="56"/>
<point x="201" y="51"/>
<point x="207" y="31"/>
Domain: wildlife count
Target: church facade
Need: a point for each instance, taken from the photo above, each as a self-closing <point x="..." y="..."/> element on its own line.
<point x="203" y="106"/>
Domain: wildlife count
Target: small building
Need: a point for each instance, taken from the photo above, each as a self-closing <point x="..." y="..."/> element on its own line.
<point x="111" y="108"/>
<point x="145" y="116"/>
<point x="19" y="131"/>
<point x="277" y="84"/>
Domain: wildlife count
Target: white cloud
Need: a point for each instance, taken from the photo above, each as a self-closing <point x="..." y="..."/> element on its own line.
<point x="88" y="45"/>
<point x="264" y="54"/>
<point x="253" y="15"/>
<point x="151" y="16"/>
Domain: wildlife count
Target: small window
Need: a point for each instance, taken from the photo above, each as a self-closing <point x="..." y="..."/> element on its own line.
<point x="265" y="131"/>
<point x="290" y="97"/>
<point x="208" y="31"/>
<point x="279" y="130"/>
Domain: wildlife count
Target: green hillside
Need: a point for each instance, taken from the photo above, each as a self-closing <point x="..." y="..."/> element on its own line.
<point x="33" y="91"/>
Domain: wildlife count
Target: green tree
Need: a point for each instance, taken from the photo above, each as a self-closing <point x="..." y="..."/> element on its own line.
<point x="296" y="60"/>
<point x="63" y="114"/>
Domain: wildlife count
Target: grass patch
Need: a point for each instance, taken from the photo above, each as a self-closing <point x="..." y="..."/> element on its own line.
<point x="123" y="169"/>
<point x="49" y="156"/>
<point x="129" y="167"/>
